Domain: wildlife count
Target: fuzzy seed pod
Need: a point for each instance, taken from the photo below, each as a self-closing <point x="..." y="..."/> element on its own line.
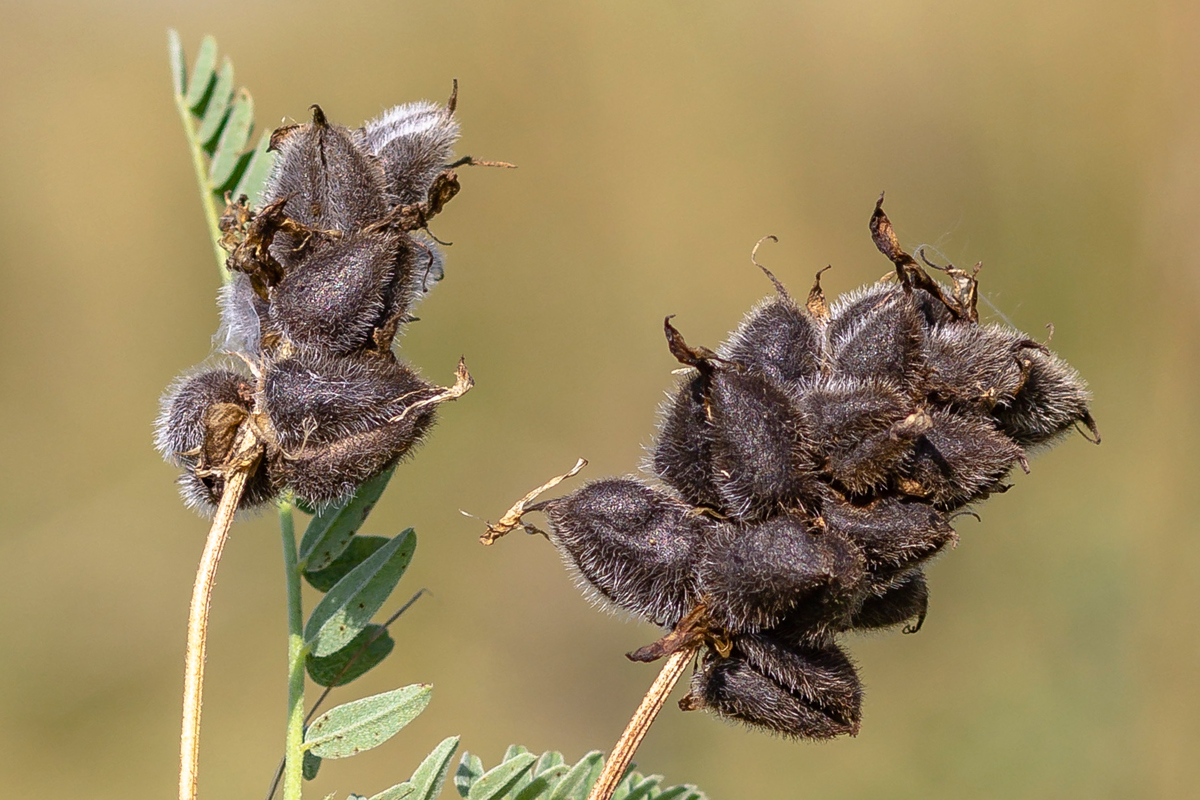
<point x="761" y="461"/>
<point x="634" y="545"/>
<point x="334" y="298"/>
<point x="959" y="460"/>
<point x="806" y="693"/>
<point x="878" y="332"/>
<point x="862" y="428"/>
<point x="682" y="456"/>
<point x="195" y="430"/>
<point x="975" y="367"/>
<point x="414" y="142"/>
<point x="1051" y="400"/>
<point x="893" y="535"/>
<point x="899" y="600"/>
<point x="752" y="575"/>
<point x="341" y="421"/>
<point x="329" y="181"/>
<point x="778" y="340"/>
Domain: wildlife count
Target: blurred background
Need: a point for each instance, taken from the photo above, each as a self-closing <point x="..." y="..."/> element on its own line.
<point x="1058" y="142"/>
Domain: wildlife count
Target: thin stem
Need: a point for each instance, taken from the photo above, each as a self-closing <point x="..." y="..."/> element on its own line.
<point x="312" y="712"/>
<point x="193" y="673"/>
<point x="635" y="731"/>
<point x="293" y="774"/>
<point x="207" y="196"/>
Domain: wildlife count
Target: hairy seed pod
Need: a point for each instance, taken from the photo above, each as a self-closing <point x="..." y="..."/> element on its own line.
<point x="893" y="535"/>
<point x="900" y="600"/>
<point x="778" y="340"/>
<point x="975" y="367"/>
<point x="682" y="456"/>
<point x="341" y="421"/>
<point x="196" y="427"/>
<point x="331" y="183"/>
<point x="878" y="332"/>
<point x="761" y="461"/>
<point x="826" y="703"/>
<point x="334" y="298"/>
<point x="959" y="460"/>
<point x="1051" y="400"/>
<point x="413" y="142"/>
<point x="752" y="575"/>
<point x="636" y="546"/>
<point x="863" y="429"/>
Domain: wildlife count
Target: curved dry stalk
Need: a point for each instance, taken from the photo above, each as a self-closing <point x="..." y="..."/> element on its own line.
<point x="635" y="731"/>
<point x="246" y="453"/>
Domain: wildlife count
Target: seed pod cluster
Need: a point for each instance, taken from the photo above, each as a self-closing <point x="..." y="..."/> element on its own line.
<point x="812" y="466"/>
<point x="323" y="277"/>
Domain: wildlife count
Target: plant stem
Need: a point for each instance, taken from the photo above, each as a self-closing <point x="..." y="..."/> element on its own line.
<point x="635" y="731"/>
<point x="193" y="673"/>
<point x="207" y="196"/>
<point x="293" y="774"/>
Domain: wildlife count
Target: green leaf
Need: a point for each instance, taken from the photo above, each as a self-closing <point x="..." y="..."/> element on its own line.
<point x="202" y="73"/>
<point x="677" y="793"/>
<point x="576" y="783"/>
<point x="469" y="770"/>
<point x="642" y="788"/>
<point x="311" y="766"/>
<point x="361" y="548"/>
<point x="497" y="781"/>
<point x="513" y="751"/>
<point x="429" y="777"/>
<point x="547" y="761"/>
<point x="178" y="67"/>
<point x="401" y="791"/>
<point x="329" y="532"/>
<point x="362" y="724"/>
<point x="328" y="669"/>
<point x="230" y="157"/>
<point x="541" y="785"/>
<point x="218" y="106"/>
<point x="350" y="604"/>
<point x="252" y="183"/>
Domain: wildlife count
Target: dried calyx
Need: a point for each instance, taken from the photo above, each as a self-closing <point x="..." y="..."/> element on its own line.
<point x="812" y="466"/>
<point x="323" y="277"/>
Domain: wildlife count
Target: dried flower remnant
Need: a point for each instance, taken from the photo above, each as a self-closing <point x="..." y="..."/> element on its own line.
<point x="324" y="276"/>
<point x="811" y="466"/>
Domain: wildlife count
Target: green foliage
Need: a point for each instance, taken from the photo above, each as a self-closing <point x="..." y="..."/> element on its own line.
<point x="372" y="645"/>
<point x="350" y="604"/>
<point x="359" y="549"/>
<point x="523" y="776"/>
<point x="330" y="532"/>
<point x="218" y="120"/>
<point x="363" y="724"/>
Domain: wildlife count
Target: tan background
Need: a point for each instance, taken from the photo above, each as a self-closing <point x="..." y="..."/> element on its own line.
<point x="1059" y="142"/>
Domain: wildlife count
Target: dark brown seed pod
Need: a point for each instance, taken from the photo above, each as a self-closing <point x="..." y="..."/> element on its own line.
<point x="632" y="544"/>
<point x="808" y="693"/>
<point x="341" y="421"/>
<point x="414" y="142"/>
<point x="336" y="296"/>
<point x="959" y="460"/>
<point x="195" y="429"/>
<point x="682" y="456"/>
<point x="780" y="341"/>
<point x="899" y="600"/>
<point x="329" y="181"/>
<point x="975" y="367"/>
<point x="1052" y="399"/>
<point x="752" y="575"/>
<point x="878" y="332"/>
<point x="862" y="429"/>
<point x="892" y="534"/>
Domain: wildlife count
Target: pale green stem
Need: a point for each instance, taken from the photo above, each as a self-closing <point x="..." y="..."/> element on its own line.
<point x="207" y="197"/>
<point x="293" y="773"/>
